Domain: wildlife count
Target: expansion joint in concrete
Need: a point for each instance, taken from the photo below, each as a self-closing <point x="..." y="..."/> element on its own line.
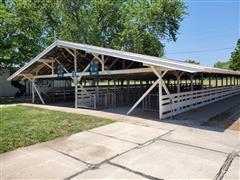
<point x="144" y="125"/>
<point x="113" y="137"/>
<point x="70" y="156"/>
<point x="227" y="163"/>
<point x="151" y="141"/>
<point x="133" y="171"/>
<point x="95" y="166"/>
<point x="199" y="147"/>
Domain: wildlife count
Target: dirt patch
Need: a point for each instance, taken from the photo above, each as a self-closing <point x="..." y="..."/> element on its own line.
<point x="236" y="125"/>
<point x="229" y="119"/>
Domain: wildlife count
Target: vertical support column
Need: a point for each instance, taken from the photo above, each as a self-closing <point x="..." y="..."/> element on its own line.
<point x="37" y="91"/>
<point x="97" y="90"/>
<point x="222" y="81"/>
<point x="191" y="81"/>
<point x="52" y="66"/>
<point x="103" y="62"/>
<point x="216" y="81"/>
<point x="33" y="93"/>
<point x="201" y="81"/>
<point x="75" y="78"/>
<point x="128" y="90"/>
<point x="209" y="79"/>
<point x="179" y="87"/>
<point x="178" y="84"/>
<point x="160" y="95"/>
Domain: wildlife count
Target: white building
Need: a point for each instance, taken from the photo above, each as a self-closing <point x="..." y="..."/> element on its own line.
<point x="6" y="89"/>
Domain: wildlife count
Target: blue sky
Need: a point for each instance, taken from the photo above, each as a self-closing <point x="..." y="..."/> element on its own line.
<point x="212" y="26"/>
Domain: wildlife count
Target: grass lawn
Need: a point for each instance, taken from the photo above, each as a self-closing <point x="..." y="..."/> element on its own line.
<point x="23" y="125"/>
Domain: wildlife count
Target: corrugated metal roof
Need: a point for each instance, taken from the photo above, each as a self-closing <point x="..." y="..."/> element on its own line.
<point x="149" y="60"/>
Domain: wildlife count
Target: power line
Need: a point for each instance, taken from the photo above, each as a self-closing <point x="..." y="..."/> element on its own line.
<point x="212" y="1"/>
<point x="200" y="51"/>
<point x="215" y="30"/>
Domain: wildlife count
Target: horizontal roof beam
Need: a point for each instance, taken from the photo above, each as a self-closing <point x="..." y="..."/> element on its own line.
<point x="106" y="72"/>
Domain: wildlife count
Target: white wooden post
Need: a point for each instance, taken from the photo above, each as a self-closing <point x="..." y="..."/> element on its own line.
<point x="161" y="85"/>
<point x="75" y="79"/>
<point x="209" y="81"/>
<point x="178" y="84"/>
<point x="191" y="81"/>
<point x="39" y="95"/>
<point x="33" y="93"/>
<point x="160" y="95"/>
<point x="216" y="81"/>
<point x="179" y="87"/>
<point x="52" y="66"/>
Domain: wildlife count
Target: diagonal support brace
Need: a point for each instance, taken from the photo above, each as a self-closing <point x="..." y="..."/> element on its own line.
<point x="159" y="80"/>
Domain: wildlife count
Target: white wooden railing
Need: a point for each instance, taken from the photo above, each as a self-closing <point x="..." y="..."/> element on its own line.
<point x="86" y="100"/>
<point x="92" y="98"/>
<point x="180" y="102"/>
<point x="104" y="97"/>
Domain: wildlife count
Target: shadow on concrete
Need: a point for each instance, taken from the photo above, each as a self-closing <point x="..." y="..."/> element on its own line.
<point x="217" y="116"/>
<point x="15" y="100"/>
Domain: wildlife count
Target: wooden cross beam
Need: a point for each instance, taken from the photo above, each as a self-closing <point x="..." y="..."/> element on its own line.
<point x="69" y="51"/>
<point x="35" y="87"/>
<point x="158" y="81"/>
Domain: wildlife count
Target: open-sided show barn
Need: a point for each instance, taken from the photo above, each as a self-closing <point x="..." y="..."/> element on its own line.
<point x="102" y="78"/>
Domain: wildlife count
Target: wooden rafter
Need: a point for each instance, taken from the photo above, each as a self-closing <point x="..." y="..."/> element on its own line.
<point x="114" y="62"/>
<point x="69" y="51"/>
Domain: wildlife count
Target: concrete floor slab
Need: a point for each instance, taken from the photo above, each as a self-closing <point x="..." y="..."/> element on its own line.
<point x="227" y="141"/>
<point x="234" y="170"/>
<point x="91" y="147"/>
<point x="38" y="163"/>
<point x="168" y="160"/>
<point x="130" y="132"/>
<point x="107" y="171"/>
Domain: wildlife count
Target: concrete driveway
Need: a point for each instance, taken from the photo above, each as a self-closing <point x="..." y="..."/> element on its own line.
<point x="131" y="149"/>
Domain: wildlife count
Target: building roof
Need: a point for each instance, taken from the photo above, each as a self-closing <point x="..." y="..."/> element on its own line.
<point x="148" y="60"/>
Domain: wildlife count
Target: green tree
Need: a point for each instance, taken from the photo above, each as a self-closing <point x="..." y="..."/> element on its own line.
<point x="222" y="65"/>
<point x="234" y="62"/>
<point x="192" y="61"/>
<point x="28" y="26"/>
<point x="24" y="31"/>
<point x="136" y="26"/>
